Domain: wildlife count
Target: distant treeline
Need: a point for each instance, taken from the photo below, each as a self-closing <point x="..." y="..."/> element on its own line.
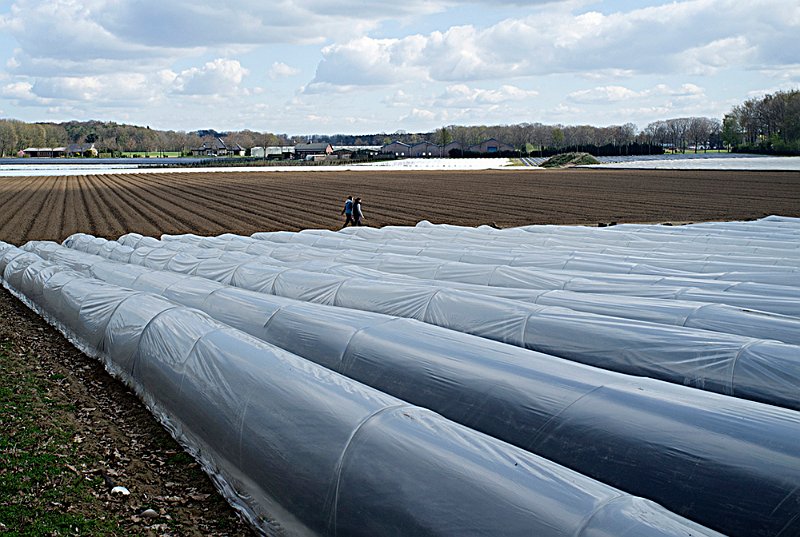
<point x="113" y="138"/>
<point x="769" y="125"/>
<point x="527" y="138"/>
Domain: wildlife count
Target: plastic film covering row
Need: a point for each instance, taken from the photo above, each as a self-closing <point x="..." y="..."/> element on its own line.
<point x="761" y="370"/>
<point x="773" y="271"/>
<point x="591" y="241"/>
<point x="781" y="299"/>
<point x="671" y="444"/>
<point x="691" y="314"/>
<point x="773" y="233"/>
<point x="306" y="451"/>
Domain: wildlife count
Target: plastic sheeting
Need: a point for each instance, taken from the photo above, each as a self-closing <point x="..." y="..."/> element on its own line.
<point x="772" y="231"/>
<point x="305" y="451"/>
<point x="617" y="429"/>
<point x="777" y="271"/>
<point x="647" y="240"/>
<point x="781" y="299"/>
<point x="707" y="316"/>
<point x="761" y="370"/>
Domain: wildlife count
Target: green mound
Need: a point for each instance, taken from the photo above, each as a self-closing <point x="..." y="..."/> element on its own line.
<point x="564" y="160"/>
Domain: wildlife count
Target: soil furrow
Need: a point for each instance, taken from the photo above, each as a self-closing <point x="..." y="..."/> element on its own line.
<point x="44" y="213"/>
<point x="243" y="203"/>
<point x="18" y="198"/>
<point x="18" y="219"/>
<point x="194" y="216"/>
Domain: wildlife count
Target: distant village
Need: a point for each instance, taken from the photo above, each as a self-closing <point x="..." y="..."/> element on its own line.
<point x="306" y="151"/>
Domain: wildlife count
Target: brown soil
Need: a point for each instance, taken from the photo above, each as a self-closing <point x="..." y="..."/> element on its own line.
<point x="213" y="203"/>
<point x="113" y="432"/>
<point x="53" y="208"/>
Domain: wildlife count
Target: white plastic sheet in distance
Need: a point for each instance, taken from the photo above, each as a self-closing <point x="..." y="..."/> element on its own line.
<point x="301" y="445"/>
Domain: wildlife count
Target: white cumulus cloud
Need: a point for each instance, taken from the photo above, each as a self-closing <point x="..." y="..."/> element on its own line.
<point x="603" y="94"/>
<point x="461" y="96"/>
<point x="21" y="91"/>
<point x="218" y="77"/>
<point x="281" y="70"/>
<point x="617" y="94"/>
<point x="692" y="36"/>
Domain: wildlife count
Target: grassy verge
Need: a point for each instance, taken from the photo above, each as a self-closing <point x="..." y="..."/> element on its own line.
<point x="44" y="489"/>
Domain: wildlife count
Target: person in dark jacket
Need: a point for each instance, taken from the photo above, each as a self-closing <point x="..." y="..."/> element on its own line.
<point x="348" y="212"/>
<point x="358" y="215"/>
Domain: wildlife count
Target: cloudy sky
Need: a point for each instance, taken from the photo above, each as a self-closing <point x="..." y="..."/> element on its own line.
<point x="316" y="66"/>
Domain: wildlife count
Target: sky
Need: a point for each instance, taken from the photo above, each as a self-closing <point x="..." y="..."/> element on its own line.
<point x="322" y="67"/>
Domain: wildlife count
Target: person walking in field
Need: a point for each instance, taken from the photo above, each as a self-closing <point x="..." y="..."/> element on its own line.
<point x="348" y="212"/>
<point x="358" y="215"/>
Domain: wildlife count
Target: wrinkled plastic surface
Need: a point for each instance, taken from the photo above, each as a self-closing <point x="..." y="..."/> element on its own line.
<point x="305" y="451"/>
<point x="522" y="283"/>
<point x="714" y="361"/>
<point x="642" y="436"/>
<point x="777" y="271"/>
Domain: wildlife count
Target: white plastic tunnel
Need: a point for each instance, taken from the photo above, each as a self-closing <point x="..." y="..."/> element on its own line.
<point x="761" y="370"/>
<point x="310" y="452"/>
<point x="734" y="475"/>
<point x="781" y="299"/>
<point x="716" y="317"/>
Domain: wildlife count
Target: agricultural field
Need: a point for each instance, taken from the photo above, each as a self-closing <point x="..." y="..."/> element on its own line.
<point x="53" y="208"/>
<point x="81" y="427"/>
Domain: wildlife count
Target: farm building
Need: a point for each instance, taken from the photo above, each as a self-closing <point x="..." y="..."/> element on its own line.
<point x="367" y="149"/>
<point x="307" y="149"/>
<point x="216" y="147"/>
<point x="42" y="152"/>
<point x="429" y="149"/>
<point x="452" y="146"/>
<point x="425" y="149"/>
<point x="81" y="150"/>
<point x="342" y="154"/>
<point x="72" y="150"/>
<point x="490" y="146"/>
<point x="275" y="152"/>
<point x="398" y="149"/>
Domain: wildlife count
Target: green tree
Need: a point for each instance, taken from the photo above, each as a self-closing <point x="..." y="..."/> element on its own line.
<point x="558" y="137"/>
<point x="443" y="136"/>
<point x="8" y="138"/>
<point x="731" y="132"/>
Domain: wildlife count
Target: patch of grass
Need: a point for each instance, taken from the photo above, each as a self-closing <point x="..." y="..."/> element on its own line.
<point x="39" y="493"/>
<point x="569" y="159"/>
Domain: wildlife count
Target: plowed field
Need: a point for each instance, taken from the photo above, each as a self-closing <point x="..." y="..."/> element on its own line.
<point x="213" y="203"/>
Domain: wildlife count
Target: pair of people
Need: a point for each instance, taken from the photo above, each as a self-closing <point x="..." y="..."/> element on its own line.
<point x="352" y="212"/>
